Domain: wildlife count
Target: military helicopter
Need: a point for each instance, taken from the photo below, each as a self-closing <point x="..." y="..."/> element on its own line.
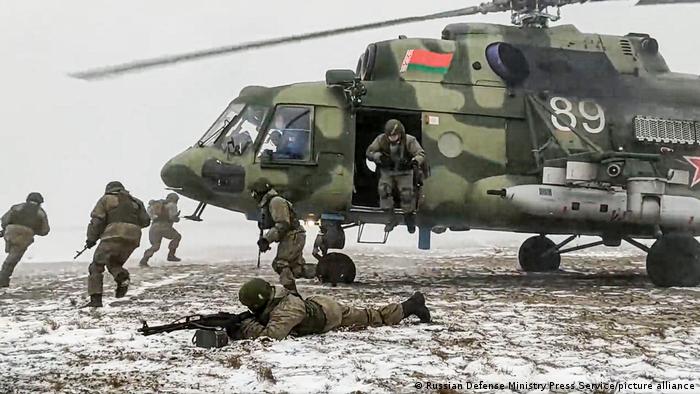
<point x="527" y="128"/>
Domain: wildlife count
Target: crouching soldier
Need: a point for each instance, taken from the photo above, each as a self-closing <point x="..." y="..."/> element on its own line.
<point x="164" y="215"/>
<point x="279" y="313"/>
<point x="278" y="218"/>
<point x="19" y="226"/>
<point x="116" y="222"/>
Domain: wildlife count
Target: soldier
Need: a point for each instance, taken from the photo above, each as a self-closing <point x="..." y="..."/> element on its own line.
<point x="116" y="221"/>
<point x="278" y="218"/>
<point x="398" y="155"/>
<point x="19" y="225"/>
<point x="163" y="214"/>
<point x="279" y="313"/>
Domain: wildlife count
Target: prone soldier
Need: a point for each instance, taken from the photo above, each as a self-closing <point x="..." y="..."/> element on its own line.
<point x="278" y="218"/>
<point x="164" y="214"/>
<point x="116" y="221"/>
<point x="279" y="313"/>
<point x="19" y="226"/>
<point x="398" y="156"/>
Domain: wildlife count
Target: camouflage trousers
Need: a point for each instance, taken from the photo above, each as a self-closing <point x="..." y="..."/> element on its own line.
<point x="156" y="233"/>
<point x="289" y="262"/>
<point x="402" y="181"/>
<point x="338" y="315"/>
<point x="110" y="253"/>
<point x="17" y="240"/>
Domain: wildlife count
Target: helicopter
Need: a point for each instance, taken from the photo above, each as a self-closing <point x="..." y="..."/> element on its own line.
<point x="527" y="128"/>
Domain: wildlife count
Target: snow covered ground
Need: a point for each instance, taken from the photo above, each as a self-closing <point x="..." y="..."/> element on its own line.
<point x="598" y="321"/>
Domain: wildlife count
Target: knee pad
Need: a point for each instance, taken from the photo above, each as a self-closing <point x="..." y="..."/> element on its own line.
<point x="279" y="265"/>
<point x="384" y="190"/>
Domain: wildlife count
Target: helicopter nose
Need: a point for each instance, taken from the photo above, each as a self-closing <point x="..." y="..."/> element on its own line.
<point x="177" y="176"/>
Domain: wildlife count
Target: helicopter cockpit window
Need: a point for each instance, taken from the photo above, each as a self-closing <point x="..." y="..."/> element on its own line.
<point x="243" y="130"/>
<point x="289" y="135"/>
<point x="212" y="135"/>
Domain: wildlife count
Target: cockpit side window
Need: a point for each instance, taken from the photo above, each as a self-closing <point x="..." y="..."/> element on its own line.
<point x="289" y="135"/>
<point x="215" y="130"/>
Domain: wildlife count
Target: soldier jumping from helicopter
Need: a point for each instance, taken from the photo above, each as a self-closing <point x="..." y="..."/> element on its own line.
<point x="164" y="215"/>
<point x="398" y="156"/>
<point x="278" y="218"/>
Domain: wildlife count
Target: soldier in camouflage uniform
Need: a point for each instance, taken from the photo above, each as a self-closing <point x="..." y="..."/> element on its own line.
<point x="163" y="214"/>
<point x="279" y="313"/>
<point x="398" y="155"/>
<point x="19" y="226"/>
<point x="116" y="221"/>
<point x="278" y="218"/>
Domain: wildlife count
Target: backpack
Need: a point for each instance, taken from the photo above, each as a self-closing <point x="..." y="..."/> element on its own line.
<point x="158" y="211"/>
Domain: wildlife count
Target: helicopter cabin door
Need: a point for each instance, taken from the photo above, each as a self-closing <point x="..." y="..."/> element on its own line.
<point x="306" y="154"/>
<point x="369" y="124"/>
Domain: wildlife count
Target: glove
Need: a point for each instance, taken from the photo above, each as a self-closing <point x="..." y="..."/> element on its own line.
<point x="415" y="164"/>
<point x="2" y="233"/>
<point x="385" y="161"/>
<point x="89" y="244"/>
<point x="263" y="245"/>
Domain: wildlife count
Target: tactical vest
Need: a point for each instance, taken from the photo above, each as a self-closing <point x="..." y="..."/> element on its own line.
<point x="127" y="211"/>
<point x="27" y="215"/>
<point x="266" y="220"/>
<point x="405" y="157"/>
<point x="314" y="322"/>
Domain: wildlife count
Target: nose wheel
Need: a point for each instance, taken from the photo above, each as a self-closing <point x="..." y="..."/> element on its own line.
<point x="539" y="254"/>
<point x="674" y="260"/>
<point x="336" y="268"/>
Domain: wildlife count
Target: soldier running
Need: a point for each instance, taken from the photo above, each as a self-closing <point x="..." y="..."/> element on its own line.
<point x="19" y="226"/>
<point x="164" y="215"/>
<point x="278" y="218"/>
<point x="279" y="313"/>
<point x="398" y="155"/>
<point x="116" y="221"/>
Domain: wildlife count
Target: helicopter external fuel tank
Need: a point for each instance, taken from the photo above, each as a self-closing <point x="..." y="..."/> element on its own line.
<point x="570" y="193"/>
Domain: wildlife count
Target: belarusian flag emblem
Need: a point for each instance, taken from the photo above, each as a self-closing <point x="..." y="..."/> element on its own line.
<point x="426" y="61"/>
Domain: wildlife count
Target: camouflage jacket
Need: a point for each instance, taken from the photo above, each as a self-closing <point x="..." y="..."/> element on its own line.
<point x="162" y="211"/>
<point x="28" y="215"/>
<point x="286" y="314"/>
<point x="277" y="216"/>
<point x="118" y="216"/>
<point x="410" y="150"/>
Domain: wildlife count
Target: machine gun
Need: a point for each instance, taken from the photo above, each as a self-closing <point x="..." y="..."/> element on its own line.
<point x="216" y="321"/>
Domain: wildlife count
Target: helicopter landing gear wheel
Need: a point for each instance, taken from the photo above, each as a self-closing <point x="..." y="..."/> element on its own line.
<point x="539" y="254"/>
<point x="674" y="260"/>
<point x="336" y="268"/>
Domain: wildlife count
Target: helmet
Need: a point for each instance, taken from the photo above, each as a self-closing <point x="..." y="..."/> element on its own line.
<point x="255" y="294"/>
<point x="35" y="197"/>
<point x="259" y="188"/>
<point x="114" y="187"/>
<point x="394" y="126"/>
<point x="172" y="197"/>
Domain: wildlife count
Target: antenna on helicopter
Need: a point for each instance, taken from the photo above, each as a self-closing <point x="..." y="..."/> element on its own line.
<point x="524" y="13"/>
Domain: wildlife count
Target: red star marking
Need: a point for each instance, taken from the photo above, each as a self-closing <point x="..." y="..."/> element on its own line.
<point x="695" y="162"/>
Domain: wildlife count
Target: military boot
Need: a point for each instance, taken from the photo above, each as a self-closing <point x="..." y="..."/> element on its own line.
<point x="95" y="301"/>
<point x="416" y="306"/>
<point x="122" y="288"/>
<point x="172" y="257"/>
<point x="4" y="281"/>
<point x="410" y="219"/>
<point x="308" y="271"/>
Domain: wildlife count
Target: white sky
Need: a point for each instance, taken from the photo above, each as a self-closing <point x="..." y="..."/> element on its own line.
<point x="66" y="138"/>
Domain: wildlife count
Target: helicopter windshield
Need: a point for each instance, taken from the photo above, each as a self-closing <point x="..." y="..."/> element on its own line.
<point x="221" y="122"/>
<point x="239" y="134"/>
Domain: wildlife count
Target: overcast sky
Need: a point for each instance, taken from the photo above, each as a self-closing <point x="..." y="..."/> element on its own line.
<point x="67" y="138"/>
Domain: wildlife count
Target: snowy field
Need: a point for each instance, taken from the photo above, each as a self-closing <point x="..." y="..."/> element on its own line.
<point x="598" y="321"/>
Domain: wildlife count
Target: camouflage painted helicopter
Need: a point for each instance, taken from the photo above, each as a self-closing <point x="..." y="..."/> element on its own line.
<point x="527" y="128"/>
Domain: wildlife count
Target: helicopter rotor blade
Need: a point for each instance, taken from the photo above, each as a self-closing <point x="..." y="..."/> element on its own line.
<point x="138" y="65"/>
<point x="661" y="2"/>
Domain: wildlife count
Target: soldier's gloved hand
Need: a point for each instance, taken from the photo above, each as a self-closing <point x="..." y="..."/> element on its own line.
<point x="89" y="244"/>
<point x="263" y="245"/>
<point x="385" y="161"/>
<point x="414" y="164"/>
<point x="2" y="233"/>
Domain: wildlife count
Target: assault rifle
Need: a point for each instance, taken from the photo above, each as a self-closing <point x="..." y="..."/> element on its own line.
<point x="215" y="322"/>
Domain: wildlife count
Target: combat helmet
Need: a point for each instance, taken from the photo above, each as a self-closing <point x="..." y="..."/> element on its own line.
<point x="172" y="197"/>
<point x="35" y="197"/>
<point x="259" y="188"/>
<point x="393" y="126"/>
<point x="255" y="294"/>
<point x="114" y="187"/>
